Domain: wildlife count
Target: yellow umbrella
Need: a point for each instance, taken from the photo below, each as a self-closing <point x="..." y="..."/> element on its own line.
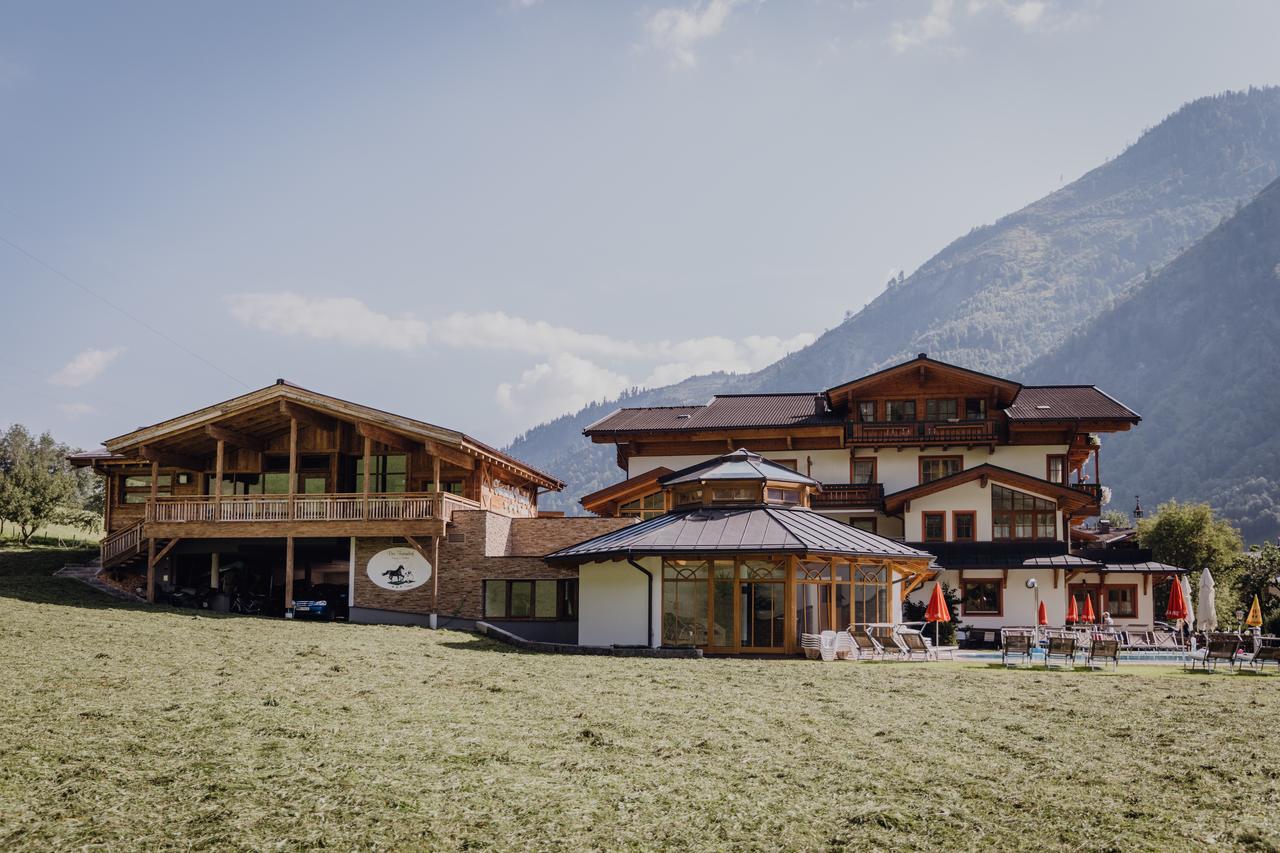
<point x="1254" y="619"/>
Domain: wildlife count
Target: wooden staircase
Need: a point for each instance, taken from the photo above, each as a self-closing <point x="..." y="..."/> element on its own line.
<point x="123" y="547"/>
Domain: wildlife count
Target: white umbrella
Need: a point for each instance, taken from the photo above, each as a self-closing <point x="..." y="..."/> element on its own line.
<point x="1208" y="602"/>
<point x="1186" y="594"/>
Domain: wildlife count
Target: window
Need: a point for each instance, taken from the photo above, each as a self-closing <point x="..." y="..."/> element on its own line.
<point x="862" y="471"/>
<point x="136" y="488"/>
<point x="386" y="474"/>
<point x="1018" y="515"/>
<point x="684" y="602"/>
<point x="899" y="410"/>
<point x="867" y="411"/>
<point x="964" y="525"/>
<point x="940" y="410"/>
<point x="649" y="506"/>
<point x="787" y="463"/>
<point x="783" y="496"/>
<point x="936" y="467"/>
<point x="1122" y="602"/>
<point x="981" y="598"/>
<point x="867" y="524"/>
<point x="531" y="599"/>
<point x="935" y="526"/>
<point x="1056" y="469"/>
<point x="975" y="409"/>
<point x="832" y="594"/>
<point x="734" y="494"/>
<point x="688" y="496"/>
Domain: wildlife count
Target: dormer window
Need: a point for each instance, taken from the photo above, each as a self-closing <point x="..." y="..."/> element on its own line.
<point x="782" y="496"/>
<point x="734" y="494"/>
<point x="685" y="497"/>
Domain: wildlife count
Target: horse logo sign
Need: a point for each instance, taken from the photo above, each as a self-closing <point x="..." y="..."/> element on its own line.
<point x="398" y="569"/>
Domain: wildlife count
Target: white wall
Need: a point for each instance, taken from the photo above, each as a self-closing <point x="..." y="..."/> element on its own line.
<point x="965" y="496"/>
<point x="1020" y="603"/>
<point x="611" y="603"/>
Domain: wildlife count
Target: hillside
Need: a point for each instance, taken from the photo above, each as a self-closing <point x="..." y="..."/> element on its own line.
<point x="1194" y="350"/>
<point x="1006" y="293"/>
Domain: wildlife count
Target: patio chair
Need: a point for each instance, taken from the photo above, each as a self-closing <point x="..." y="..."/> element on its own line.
<point x="887" y="637"/>
<point x="868" y="646"/>
<point x="938" y="651"/>
<point x="811" y="644"/>
<point x="1103" y="651"/>
<point x="1137" y="641"/>
<point x="846" y="649"/>
<point x="827" y="645"/>
<point x="1061" y="647"/>
<point x="1166" y="641"/>
<point x="915" y="647"/>
<point x="1264" y="656"/>
<point x="1016" y="647"/>
<point x="1214" y="653"/>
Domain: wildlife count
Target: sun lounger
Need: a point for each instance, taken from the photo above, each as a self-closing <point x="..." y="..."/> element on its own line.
<point x="868" y="646"/>
<point x="916" y="646"/>
<point x="1017" y="647"/>
<point x="1264" y="656"/>
<point x="1166" y="641"/>
<point x="811" y="644"/>
<point x="827" y="645"/>
<point x="1103" y="651"/>
<point x="1214" y="653"/>
<point x="846" y="649"/>
<point x="1138" y="641"/>
<point x="1061" y="647"/>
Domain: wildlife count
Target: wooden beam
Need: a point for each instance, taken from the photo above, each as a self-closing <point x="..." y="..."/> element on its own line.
<point x="368" y="463"/>
<point x="1004" y="581"/>
<point x="171" y="460"/>
<point x="218" y="466"/>
<point x="214" y="579"/>
<point x="235" y="437"/>
<point x="310" y="417"/>
<point x="293" y="466"/>
<point x="435" y="474"/>
<point x="151" y="571"/>
<point x="155" y="481"/>
<point x="387" y="437"/>
<point x="155" y="557"/>
<point x="421" y="549"/>
<point x="1055" y="578"/>
<point x="288" y="574"/>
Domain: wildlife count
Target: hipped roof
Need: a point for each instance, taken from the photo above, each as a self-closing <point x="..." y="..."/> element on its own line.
<point x="739" y="465"/>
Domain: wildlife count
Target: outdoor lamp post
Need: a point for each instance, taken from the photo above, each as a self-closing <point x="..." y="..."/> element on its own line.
<point x="1034" y="586"/>
<point x="1239" y="620"/>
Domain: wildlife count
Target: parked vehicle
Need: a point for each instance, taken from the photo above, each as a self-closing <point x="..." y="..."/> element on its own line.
<point x="322" y="601"/>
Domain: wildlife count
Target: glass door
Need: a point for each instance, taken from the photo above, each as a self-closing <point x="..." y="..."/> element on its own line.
<point x="761" y="605"/>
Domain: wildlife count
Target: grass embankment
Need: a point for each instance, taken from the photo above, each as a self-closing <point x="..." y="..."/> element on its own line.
<point x="126" y="726"/>
<point x="57" y="535"/>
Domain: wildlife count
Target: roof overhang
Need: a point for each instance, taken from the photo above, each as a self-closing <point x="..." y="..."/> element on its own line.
<point x="604" y="501"/>
<point x="922" y="365"/>
<point x="1066" y="497"/>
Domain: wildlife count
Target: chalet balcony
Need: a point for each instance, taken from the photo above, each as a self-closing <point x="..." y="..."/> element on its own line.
<point x="304" y="515"/>
<point x="905" y="433"/>
<point x="849" y="496"/>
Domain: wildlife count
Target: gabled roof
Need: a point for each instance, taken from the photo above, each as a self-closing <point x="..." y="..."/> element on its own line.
<point x="628" y="489"/>
<point x="334" y="407"/>
<point x="745" y="530"/>
<point x="725" y="411"/>
<point x="923" y="361"/>
<point x="1067" y="403"/>
<point x="1072" y="498"/>
<point x="738" y="465"/>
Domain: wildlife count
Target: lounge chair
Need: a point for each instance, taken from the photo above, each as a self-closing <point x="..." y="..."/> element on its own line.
<point x="827" y="645"/>
<point x="1061" y="647"/>
<point x="1267" y="651"/>
<point x="811" y="644"/>
<point x="1217" y="651"/>
<point x="938" y="651"/>
<point x="1103" y="651"/>
<point x="1166" y="641"/>
<point x="1016" y="647"/>
<point x="868" y="646"/>
<point x="1138" y="641"/>
<point x="846" y="649"/>
<point x="915" y="645"/>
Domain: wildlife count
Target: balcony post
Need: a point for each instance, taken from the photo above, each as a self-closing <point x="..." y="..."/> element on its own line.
<point x="1097" y="466"/>
<point x="155" y="481"/>
<point x="288" y="576"/>
<point x="217" y="481"/>
<point x="437" y="500"/>
<point x="368" y="458"/>
<point x="293" y="465"/>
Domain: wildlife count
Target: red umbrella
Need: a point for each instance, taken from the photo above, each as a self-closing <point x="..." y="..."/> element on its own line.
<point x="1073" y="615"/>
<point x="1177" y="609"/>
<point x="937" y="610"/>
<point x="1044" y="614"/>
<point x="1088" y="614"/>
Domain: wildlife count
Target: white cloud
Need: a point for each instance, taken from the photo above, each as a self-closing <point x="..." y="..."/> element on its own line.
<point x="85" y="367"/>
<point x="339" y="318"/>
<point x="495" y="329"/>
<point x="677" y="30"/>
<point x="75" y="410"/>
<point x="935" y="24"/>
<point x="563" y="383"/>
<point x="1026" y="14"/>
<point x="707" y="355"/>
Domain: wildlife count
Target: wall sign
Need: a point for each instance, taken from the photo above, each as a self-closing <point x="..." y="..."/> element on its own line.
<point x="398" y="569"/>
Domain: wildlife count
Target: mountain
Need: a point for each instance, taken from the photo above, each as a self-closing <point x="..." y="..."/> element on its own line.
<point x="1195" y="351"/>
<point x="1006" y="293"/>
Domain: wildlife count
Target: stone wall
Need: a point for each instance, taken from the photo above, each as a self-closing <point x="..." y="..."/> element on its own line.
<point x="536" y="537"/>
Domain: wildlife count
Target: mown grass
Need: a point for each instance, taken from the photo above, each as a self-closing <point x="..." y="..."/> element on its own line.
<point x="57" y="535"/>
<point x="148" y="728"/>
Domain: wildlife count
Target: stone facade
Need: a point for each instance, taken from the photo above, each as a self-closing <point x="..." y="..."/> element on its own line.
<point x="479" y="546"/>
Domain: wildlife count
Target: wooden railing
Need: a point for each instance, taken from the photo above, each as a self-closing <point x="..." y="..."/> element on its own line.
<point x="1093" y="490"/>
<point x="883" y="433"/>
<point x="402" y="506"/>
<point x="849" y="494"/>
<point x="122" y="543"/>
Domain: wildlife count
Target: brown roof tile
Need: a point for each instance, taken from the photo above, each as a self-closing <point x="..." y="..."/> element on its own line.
<point x="1067" y="402"/>
<point x="727" y="411"/>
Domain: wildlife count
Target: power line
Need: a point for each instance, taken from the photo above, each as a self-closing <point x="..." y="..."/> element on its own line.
<point x="105" y="301"/>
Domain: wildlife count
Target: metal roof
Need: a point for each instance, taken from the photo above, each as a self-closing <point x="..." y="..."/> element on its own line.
<point x="725" y="411"/>
<point x="736" y="531"/>
<point x="1067" y="402"/>
<point x="738" y="465"/>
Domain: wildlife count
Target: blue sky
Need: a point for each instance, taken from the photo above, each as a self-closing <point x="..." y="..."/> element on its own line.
<point x="484" y="214"/>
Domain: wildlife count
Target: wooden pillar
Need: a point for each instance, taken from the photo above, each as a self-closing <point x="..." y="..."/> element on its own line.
<point x="151" y="571"/>
<point x="217" y="481"/>
<point x="435" y="576"/>
<point x="288" y="575"/>
<point x="155" y="481"/>
<point x="1097" y="467"/>
<point x="213" y="571"/>
<point x="293" y="464"/>
<point x="368" y="460"/>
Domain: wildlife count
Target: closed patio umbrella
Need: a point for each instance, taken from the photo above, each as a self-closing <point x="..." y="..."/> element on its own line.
<point x="1073" y="615"/>
<point x="1254" y="619"/>
<point x="1191" y="610"/>
<point x="1043" y="616"/>
<point x="937" y="611"/>
<point x="1208" y="602"/>
<point x="1088" y="615"/>
<point x="1177" y="608"/>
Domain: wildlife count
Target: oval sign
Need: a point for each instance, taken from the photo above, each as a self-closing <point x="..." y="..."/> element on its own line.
<point x="398" y="569"/>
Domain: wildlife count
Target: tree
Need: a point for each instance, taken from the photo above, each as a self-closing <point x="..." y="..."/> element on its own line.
<point x="1190" y="536"/>
<point x="1116" y="518"/>
<point x="1258" y="574"/>
<point x="37" y="484"/>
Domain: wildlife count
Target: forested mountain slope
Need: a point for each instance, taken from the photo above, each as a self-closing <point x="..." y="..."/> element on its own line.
<point x="1006" y="293"/>
<point x="1195" y="351"/>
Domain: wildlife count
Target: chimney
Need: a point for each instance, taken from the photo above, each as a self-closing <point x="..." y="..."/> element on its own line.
<point x="819" y="405"/>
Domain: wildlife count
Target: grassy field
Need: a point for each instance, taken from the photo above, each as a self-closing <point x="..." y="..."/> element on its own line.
<point x="57" y="535"/>
<point x="148" y="728"/>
